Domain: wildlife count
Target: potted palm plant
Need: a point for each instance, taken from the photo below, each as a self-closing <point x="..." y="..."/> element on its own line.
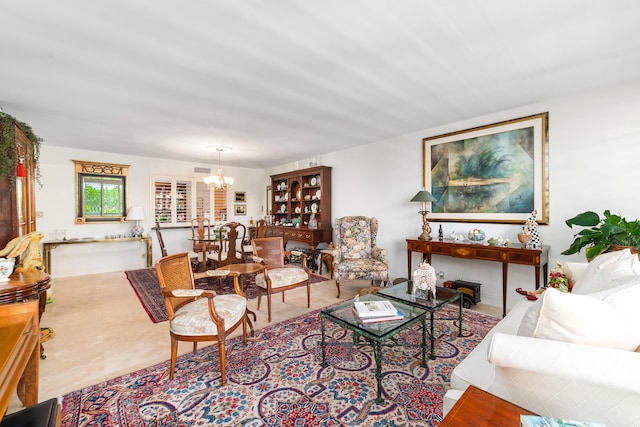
<point x="612" y="232"/>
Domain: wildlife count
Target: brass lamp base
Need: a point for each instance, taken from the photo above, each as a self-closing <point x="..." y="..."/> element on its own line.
<point x="426" y="228"/>
<point x="424" y="236"/>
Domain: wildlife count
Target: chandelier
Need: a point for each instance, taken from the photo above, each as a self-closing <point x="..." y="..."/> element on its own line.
<point x="219" y="181"/>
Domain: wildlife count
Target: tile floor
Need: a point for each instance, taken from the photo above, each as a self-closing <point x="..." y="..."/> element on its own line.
<point x="102" y="331"/>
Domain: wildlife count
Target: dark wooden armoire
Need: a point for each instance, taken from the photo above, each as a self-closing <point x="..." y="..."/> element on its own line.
<point x="17" y="194"/>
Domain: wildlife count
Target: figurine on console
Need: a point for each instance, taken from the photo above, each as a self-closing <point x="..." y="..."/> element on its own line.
<point x="27" y="247"/>
<point x="424" y="278"/>
<point x="531" y="227"/>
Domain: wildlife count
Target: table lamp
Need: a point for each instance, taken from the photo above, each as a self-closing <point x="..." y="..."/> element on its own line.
<point x="136" y="214"/>
<point x="425" y="197"/>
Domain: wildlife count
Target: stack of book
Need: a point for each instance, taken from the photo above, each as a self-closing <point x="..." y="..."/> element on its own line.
<point x="376" y="311"/>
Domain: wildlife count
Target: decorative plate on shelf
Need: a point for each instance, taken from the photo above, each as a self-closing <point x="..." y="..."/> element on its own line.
<point x="314" y="181"/>
<point x="314" y="208"/>
<point x="318" y="194"/>
<point x="283" y="208"/>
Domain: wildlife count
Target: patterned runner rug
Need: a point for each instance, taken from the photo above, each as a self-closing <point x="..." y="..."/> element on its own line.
<point x="276" y="380"/>
<point x="146" y="286"/>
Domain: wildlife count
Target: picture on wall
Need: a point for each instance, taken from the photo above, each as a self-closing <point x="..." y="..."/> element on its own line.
<point x="240" y="209"/>
<point x="240" y="197"/>
<point x="494" y="173"/>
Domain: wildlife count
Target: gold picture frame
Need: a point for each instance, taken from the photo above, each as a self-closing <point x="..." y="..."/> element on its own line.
<point x="498" y="173"/>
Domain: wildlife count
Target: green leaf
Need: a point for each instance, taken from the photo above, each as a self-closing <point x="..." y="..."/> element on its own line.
<point x="596" y="250"/>
<point x="585" y="219"/>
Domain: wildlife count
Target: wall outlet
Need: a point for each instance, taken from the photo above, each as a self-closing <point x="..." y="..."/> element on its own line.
<point x="39" y="214"/>
<point x="441" y="274"/>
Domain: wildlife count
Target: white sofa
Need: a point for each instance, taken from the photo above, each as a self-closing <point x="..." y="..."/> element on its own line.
<point x="571" y="373"/>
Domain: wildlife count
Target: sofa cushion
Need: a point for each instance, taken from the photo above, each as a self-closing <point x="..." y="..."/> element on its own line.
<point x="606" y="270"/>
<point x="625" y="299"/>
<point x="580" y="319"/>
<point x="476" y="369"/>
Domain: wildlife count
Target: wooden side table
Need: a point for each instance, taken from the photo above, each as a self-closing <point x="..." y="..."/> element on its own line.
<point x="326" y="255"/>
<point x="242" y="270"/>
<point x="27" y="286"/>
<point x="478" y="408"/>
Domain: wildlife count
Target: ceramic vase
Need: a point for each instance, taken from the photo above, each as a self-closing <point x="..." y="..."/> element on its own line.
<point x="6" y="268"/>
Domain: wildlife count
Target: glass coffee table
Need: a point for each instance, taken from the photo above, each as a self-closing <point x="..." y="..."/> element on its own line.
<point x="444" y="296"/>
<point x="377" y="334"/>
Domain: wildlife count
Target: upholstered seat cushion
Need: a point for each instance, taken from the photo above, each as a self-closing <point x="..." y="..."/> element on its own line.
<point x="194" y="318"/>
<point x="354" y="269"/>
<point x="282" y="277"/>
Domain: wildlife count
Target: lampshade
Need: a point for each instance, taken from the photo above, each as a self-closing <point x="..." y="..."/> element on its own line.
<point x="135" y="214"/>
<point x="424" y="196"/>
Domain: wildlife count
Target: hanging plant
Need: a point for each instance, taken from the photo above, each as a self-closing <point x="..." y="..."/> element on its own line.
<point x="8" y="153"/>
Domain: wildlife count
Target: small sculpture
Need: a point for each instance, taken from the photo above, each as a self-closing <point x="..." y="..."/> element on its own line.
<point x="531" y="227"/>
<point x="313" y="223"/>
<point x="27" y="247"/>
<point x="424" y="278"/>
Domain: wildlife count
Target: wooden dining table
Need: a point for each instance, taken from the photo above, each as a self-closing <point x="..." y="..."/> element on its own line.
<point x="205" y="245"/>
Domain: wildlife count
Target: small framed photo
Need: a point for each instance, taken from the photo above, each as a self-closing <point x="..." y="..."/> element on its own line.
<point x="240" y="197"/>
<point x="240" y="209"/>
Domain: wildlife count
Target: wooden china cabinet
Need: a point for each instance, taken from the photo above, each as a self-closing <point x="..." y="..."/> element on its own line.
<point x="301" y="194"/>
<point x="17" y="196"/>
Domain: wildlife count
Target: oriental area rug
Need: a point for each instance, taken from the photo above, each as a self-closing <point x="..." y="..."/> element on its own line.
<point x="276" y="380"/>
<point x="147" y="288"/>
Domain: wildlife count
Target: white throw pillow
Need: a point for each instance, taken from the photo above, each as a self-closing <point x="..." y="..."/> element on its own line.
<point x="605" y="271"/>
<point x="625" y="301"/>
<point x="579" y="319"/>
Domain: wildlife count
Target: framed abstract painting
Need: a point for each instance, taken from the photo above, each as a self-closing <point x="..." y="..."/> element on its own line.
<point x="496" y="173"/>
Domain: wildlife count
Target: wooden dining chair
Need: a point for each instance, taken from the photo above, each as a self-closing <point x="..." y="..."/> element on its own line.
<point x="204" y="242"/>
<point x="163" y="250"/>
<point x="277" y="275"/>
<point x="193" y="256"/>
<point x="261" y="229"/>
<point x="199" y="315"/>
<point x="230" y="241"/>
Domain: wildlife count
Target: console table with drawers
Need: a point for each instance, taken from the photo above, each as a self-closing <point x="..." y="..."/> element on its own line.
<point x="513" y="254"/>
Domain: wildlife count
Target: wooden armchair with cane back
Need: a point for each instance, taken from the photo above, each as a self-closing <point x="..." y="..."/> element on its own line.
<point x="278" y="277"/>
<point x="196" y="314"/>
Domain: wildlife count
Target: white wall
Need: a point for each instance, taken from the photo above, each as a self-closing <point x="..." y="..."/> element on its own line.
<point x="593" y="144"/>
<point x="56" y="200"/>
<point x="594" y="147"/>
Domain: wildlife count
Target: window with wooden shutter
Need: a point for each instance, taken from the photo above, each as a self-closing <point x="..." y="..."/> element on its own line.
<point x="177" y="200"/>
<point x="220" y="203"/>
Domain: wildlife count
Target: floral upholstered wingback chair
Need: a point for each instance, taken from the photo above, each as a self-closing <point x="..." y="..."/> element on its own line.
<point x="356" y="255"/>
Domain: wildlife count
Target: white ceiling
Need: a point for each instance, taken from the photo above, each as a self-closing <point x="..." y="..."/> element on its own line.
<point x="283" y="80"/>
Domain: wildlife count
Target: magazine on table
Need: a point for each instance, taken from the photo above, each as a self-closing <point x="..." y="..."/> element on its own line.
<point x="397" y="316"/>
<point x="378" y="308"/>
